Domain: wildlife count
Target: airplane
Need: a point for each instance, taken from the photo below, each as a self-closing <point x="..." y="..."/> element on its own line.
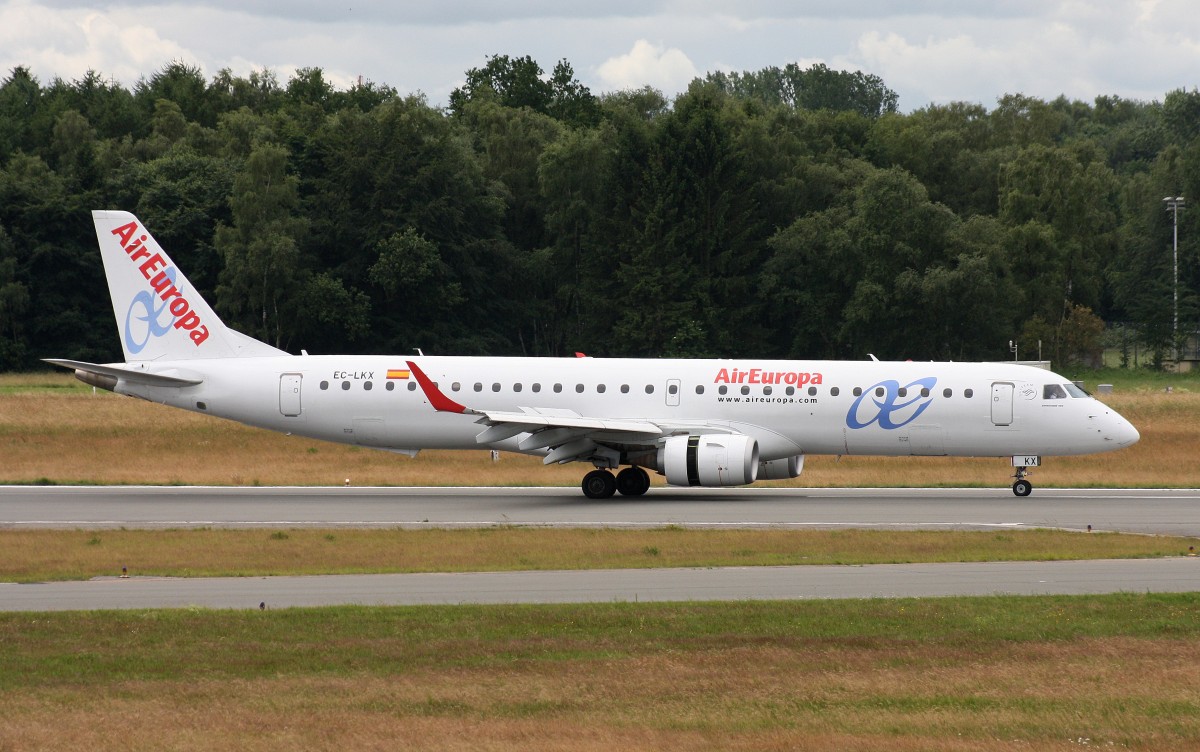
<point x="697" y="422"/>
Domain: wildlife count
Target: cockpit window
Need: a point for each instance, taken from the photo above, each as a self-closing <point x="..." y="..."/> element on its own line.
<point x="1053" y="391"/>
<point x="1075" y="391"/>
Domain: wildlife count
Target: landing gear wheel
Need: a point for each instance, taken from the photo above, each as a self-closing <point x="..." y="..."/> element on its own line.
<point x="599" y="484"/>
<point x="633" y="481"/>
<point x="1022" y="487"/>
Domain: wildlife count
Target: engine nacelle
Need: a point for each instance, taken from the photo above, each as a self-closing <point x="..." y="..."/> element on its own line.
<point x="788" y="467"/>
<point x="709" y="460"/>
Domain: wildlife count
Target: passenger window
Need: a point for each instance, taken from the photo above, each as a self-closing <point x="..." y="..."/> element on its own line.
<point x="324" y="385"/>
<point x="790" y="391"/>
<point x="649" y="389"/>
<point x="924" y="391"/>
<point x="812" y="391"/>
<point x="947" y="392"/>
<point x="345" y="386"/>
<point x="557" y="388"/>
<point x="496" y="386"/>
<point x="767" y="390"/>
<point x="673" y="389"/>
<point x="624" y="389"/>
<point x="391" y="386"/>
<point x="536" y="387"/>
<point x="968" y="393"/>
<point x="600" y="388"/>
<point x="456" y="386"/>
<point x="745" y="390"/>
<point x="834" y="391"/>
<point x="858" y="391"/>
<point x="478" y="387"/>
<point x="901" y="392"/>
<point x="579" y="388"/>
<point x="722" y="389"/>
<point x="1053" y="391"/>
<point x="412" y="386"/>
<point x="366" y="386"/>
<point x="699" y="389"/>
<point x="880" y="391"/>
<point x="516" y="387"/>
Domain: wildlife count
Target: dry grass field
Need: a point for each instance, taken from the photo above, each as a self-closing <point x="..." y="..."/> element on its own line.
<point x="40" y="555"/>
<point x="53" y="429"/>
<point x="1045" y="673"/>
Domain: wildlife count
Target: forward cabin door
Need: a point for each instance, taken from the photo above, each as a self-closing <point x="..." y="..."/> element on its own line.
<point x="289" y="394"/>
<point x="1002" y="403"/>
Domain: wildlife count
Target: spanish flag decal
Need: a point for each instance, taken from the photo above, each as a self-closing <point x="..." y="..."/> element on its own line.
<point x="398" y="373"/>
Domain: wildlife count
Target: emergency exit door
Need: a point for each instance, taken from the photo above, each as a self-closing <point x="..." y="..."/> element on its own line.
<point x="289" y="394"/>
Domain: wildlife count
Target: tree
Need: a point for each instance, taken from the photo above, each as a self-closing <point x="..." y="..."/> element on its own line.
<point x="1066" y="203"/>
<point x="521" y="83"/>
<point x="14" y="303"/>
<point x="512" y="82"/>
<point x="182" y="84"/>
<point x="1181" y="114"/>
<point x="814" y="88"/>
<point x="263" y="265"/>
<point x="20" y="97"/>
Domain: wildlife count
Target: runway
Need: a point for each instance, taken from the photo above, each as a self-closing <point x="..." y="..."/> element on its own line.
<point x="1175" y="512"/>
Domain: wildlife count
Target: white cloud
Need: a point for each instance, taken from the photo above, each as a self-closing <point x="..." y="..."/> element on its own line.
<point x="648" y="64"/>
<point x="926" y="50"/>
<point x="68" y="42"/>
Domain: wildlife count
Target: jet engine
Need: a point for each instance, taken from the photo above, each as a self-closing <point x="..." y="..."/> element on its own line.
<point x="788" y="467"/>
<point x="709" y="460"/>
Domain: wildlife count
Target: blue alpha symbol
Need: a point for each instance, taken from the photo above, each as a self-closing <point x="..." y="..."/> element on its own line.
<point x="891" y="410"/>
<point x="149" y="314"/>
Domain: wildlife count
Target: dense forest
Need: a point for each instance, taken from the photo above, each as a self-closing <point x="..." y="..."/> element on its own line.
<point x="786" y="212"/>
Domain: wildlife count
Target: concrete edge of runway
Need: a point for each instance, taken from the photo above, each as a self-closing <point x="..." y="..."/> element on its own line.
<point x="1090" y="577"/>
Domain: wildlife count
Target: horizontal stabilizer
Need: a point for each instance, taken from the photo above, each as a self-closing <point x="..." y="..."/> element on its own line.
<point x="131" y="375"/>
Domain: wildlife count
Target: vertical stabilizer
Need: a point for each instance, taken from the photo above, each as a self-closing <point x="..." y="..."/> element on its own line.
<point x="160" y="315"/>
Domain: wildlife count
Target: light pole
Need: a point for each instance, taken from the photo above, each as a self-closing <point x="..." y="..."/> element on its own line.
<point x="1174" y="204"/>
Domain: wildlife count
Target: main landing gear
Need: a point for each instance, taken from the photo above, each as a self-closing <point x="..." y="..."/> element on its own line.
<point x="601" y="484"/>
<point x="1022" y="487"/>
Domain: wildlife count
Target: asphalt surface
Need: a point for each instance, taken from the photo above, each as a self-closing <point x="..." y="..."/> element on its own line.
<point x="1170" y="512"/>
<point x="1174" y="512"/>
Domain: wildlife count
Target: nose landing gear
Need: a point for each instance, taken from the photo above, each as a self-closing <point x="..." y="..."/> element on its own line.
<point x="1021" y="464"/>
<point x="1022" y="487"/>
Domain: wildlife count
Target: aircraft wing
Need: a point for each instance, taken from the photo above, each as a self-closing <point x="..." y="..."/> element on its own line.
<point x="568" y="435"/>
<point x="132" y="375"/>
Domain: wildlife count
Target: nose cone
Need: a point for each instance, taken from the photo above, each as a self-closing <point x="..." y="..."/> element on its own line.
<point x="1115" y="431"/>
<point x="1124" y="434"/>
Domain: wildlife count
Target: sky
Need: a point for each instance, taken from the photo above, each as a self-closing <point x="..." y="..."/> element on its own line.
<point x="928" y="51"/>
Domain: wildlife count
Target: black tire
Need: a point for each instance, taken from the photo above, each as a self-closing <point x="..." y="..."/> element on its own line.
<point x="599" y="484"/>
<point x="1022" y="488"/>
<point x="633" y="481"/>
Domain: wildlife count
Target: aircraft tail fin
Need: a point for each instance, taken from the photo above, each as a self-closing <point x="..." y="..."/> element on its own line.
<point x="160" y="315"/>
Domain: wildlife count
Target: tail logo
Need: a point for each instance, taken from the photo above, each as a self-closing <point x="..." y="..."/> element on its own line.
<point x="162" y="281"/>
<point x="151" y="315"/>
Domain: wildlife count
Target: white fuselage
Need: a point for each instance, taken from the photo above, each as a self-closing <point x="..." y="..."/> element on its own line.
<point x="789" y="407"/>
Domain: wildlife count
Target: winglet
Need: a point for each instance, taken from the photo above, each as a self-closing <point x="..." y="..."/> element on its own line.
<point x="440" y="402"/>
